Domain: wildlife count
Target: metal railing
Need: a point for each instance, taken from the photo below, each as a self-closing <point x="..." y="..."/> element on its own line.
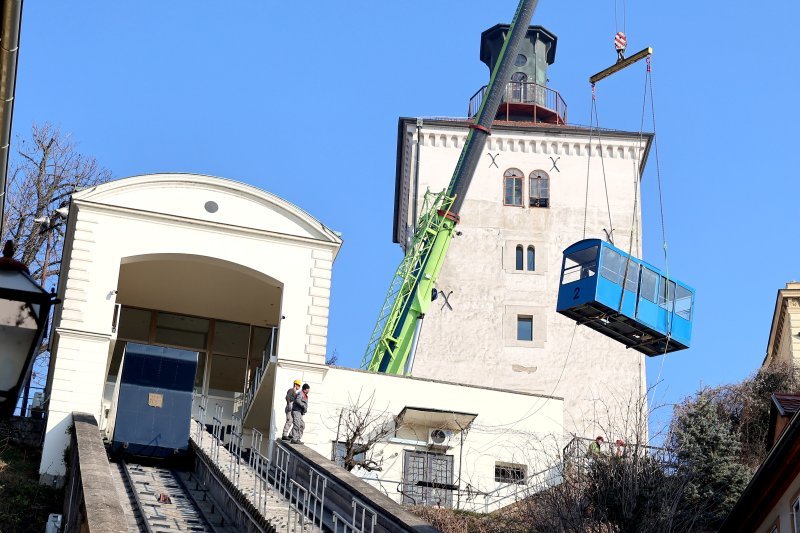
<point x="298" y="505"/>
<point x="363" y="520"/>
<point x="261" y="468"/>
<point x="252" y="388"/>
<point x="202" y="409"/>
<point x="217" y="432"/>
<point x="317" y="483"/>
<point x="577" y="453"/>
<point x="235" y="449"/>
<point x="525" y="92"/>
<point x="312" y="499"/>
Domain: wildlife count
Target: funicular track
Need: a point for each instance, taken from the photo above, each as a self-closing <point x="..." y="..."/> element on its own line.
<point x="167" y="500"/>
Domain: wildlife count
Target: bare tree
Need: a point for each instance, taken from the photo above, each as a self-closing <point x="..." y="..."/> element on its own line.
<point x="625" y="485"/>
<point x="333" y="358"/>
<point x="361" y="426"/>
<point x="44" y="172"/>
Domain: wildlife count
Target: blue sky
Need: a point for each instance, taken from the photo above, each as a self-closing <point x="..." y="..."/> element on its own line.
<point x="302" y="99"/>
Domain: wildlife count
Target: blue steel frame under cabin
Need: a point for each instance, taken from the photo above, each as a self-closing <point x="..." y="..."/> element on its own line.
<point x="653" y="314"/>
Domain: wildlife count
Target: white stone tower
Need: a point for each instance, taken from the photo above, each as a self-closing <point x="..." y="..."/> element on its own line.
<point x="494" y="322"/>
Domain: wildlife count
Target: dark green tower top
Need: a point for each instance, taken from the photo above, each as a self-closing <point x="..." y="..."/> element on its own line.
<point x="527" y="97"/>
<point x="538" y="51"/>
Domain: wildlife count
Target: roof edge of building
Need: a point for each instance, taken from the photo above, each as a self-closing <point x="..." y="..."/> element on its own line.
<point x="454" y="383"/>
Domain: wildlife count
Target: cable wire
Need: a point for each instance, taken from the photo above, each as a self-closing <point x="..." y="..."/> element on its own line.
<point x="588" y="162"/>
<point x="649" y="79"/>
<point x="605" y="182"/>
<point x="529" y="414"/>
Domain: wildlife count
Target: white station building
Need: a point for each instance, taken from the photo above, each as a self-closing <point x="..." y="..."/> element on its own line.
<point x="243" y="278"/>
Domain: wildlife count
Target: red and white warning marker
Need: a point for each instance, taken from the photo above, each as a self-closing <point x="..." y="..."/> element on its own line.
<point x="620" y="42"/>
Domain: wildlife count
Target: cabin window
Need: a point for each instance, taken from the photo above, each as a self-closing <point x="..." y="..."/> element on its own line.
<point x="531" y="259"/>
<point x="683" y="302"/>
<point x="613" y="266"/>
<point x="613" y="269"/>
<point x="512" y="187"/>
<point x="632" y="281"/>
<point x="524" y="328"/>
<point x="649" y="287"/>
<point x="539" y="189"/>
<point x="795" y="516"/>
<point x="519" y="258"/>
<point x="510" y="473"/>
<point x="579" y="265"/>
<point x="667" y="294"/>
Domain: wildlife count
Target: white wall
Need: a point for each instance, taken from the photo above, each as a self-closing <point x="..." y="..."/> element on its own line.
<point x="293" y="250"/>
<point x="781" y="513"/>
<point x="509" y="427"/>
<point x="475" y="342"/>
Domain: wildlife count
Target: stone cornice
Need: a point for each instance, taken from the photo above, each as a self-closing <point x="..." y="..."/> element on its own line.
<point x="537" y="143"/>
<point x="787" y="302"/>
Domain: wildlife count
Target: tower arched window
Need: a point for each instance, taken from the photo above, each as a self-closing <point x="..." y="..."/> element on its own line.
<point x="519" y="258"/>
<point x="512" y="187"/>
<point x="518" y="87"/>
<point x="531" y="253"/>
<point x="539" y="189"/>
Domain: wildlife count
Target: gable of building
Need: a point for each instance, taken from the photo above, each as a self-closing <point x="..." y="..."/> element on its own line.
<point x="208" y="199"/>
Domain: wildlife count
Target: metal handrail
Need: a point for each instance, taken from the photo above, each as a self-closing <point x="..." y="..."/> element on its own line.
<point x="525" y="92"/>
<point x="298" y="505"/>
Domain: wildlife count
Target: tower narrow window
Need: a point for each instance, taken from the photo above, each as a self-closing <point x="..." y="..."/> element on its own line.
<point x="524" y="328"/>
<point x="512" y="187"/>
<point x="539" y="189"/>
<point x="519" y="258"/>
<point x="531" y="259"/>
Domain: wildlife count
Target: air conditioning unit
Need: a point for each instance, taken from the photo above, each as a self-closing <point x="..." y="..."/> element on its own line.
<point x="440" y="437"/>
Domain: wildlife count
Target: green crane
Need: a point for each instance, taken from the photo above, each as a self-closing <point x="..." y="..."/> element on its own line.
<point x="391" y="348"/>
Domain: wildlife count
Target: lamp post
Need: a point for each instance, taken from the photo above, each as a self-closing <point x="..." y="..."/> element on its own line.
<point x="24" y="310"/>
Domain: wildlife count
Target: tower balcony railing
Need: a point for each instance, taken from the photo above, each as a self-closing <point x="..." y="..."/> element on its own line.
<point x="542" y="103"/>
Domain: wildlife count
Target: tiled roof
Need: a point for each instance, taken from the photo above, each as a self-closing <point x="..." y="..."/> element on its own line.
<point x="788" y="403"/>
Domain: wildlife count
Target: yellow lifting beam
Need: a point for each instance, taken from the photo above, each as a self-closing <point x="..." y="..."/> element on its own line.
<point x="619" y="65"/>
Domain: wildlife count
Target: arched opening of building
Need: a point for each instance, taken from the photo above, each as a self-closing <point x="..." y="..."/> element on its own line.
<point x="229" y="314"/>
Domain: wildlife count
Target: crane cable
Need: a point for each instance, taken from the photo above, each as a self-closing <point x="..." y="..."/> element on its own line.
<point x="663" y="233"/>
<point x="595" y="120"/>
<point x="624" y="16"/>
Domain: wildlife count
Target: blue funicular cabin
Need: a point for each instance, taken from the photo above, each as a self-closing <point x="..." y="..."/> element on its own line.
<point x="652" y="314"/>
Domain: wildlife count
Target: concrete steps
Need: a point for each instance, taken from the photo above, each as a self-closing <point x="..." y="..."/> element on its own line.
<point x="272" y="506"/>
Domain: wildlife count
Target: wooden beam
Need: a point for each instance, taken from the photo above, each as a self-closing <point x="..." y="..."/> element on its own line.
<point x="621" y="64"/>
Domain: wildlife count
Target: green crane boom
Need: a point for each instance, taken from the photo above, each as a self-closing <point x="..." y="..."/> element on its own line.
<point x="391" y="348"/>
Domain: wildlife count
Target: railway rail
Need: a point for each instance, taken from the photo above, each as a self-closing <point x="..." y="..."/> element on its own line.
<point x="166" y="500"/>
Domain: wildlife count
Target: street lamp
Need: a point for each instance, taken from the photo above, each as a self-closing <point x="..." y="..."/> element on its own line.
<point x="24" y="310"/>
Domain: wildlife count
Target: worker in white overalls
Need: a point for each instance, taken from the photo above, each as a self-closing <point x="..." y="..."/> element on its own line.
<point x="290" y="394"/>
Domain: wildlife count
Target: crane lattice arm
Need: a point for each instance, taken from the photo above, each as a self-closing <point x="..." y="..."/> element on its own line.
<point x="391" y="348"/>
